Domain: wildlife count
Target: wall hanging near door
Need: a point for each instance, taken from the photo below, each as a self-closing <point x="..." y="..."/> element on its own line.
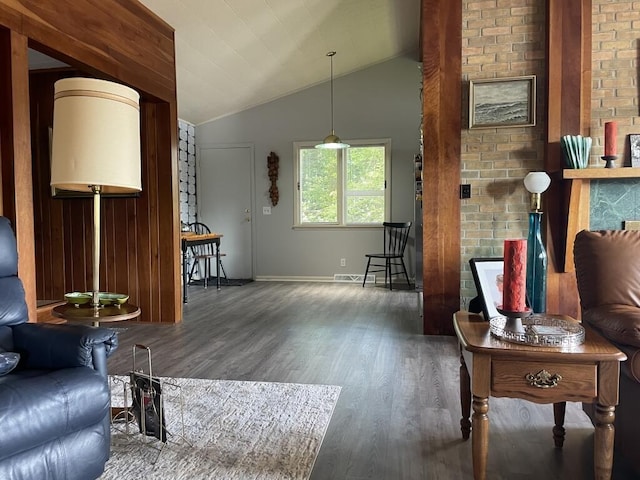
<point x="272" y="165"/>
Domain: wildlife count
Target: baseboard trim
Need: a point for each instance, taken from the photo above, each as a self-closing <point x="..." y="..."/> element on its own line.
<point x="275" y="278"/>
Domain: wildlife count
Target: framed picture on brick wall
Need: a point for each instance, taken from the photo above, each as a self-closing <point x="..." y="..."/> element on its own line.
<point x="502" y="102"/>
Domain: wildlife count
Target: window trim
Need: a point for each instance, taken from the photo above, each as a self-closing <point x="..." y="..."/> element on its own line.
<point x="377" y="142"/>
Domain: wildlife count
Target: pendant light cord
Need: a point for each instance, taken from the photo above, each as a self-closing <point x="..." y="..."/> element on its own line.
<point x="330" y="55"/>
<point x="332" y="141"/>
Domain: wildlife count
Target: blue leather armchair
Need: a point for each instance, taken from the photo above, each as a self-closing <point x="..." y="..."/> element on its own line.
<point x="55" y="405"/>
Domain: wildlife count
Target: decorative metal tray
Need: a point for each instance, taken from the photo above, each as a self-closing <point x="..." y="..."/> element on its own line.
<point x="538" y="329"/>
<point x="105" y="298"/>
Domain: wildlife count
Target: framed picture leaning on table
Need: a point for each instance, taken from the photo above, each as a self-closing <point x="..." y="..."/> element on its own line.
<point x="488" y="275"/>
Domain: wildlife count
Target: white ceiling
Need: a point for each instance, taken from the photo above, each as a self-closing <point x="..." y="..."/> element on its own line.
<point x="236" y="54"/>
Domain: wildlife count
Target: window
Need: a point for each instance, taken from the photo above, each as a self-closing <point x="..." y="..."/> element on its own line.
<point x="345" y="187"/>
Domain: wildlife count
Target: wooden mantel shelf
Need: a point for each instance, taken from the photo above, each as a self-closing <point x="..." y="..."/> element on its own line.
<point x="579" y="200"/>
<point x="600" y="173"/>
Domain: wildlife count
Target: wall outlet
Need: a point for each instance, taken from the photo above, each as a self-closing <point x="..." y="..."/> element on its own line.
<point x="465" y="191"/>
<point x="266" y="210"/>
<point x="343" y="262"/>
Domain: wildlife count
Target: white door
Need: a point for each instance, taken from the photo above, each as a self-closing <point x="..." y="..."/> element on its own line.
<point x="224" y="197"/>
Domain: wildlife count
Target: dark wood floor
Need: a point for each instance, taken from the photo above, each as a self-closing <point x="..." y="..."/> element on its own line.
<point x="398" y="413"/>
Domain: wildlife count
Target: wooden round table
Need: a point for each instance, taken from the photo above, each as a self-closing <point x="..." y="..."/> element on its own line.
<point x="87" y="313"/>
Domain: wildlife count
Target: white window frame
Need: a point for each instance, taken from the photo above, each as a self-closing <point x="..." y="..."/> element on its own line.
<point x="297" y="146"/>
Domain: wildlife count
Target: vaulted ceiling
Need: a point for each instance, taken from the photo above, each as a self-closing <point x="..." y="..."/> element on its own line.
<point x="232" y="55"/>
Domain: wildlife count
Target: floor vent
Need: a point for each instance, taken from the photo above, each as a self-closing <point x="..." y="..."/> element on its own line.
<point x="353" y="278"/>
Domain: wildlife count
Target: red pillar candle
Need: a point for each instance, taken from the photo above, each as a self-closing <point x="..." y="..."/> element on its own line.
<point x="610" y="138"/>
<point x="515" y="276"/>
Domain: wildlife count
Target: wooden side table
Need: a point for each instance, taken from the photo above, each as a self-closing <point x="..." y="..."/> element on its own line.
<point x="86" y="313"/>
<point x="492" y="367"/>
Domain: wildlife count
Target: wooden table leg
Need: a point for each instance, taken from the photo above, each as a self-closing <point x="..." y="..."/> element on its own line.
<point x="465" y="398"/>
<point x="480" y="437"/>
<point x="559" y="410"/>
<point x="603" y="444"/>
<point x="185" y="274"/>
<point x="217" y="244"/>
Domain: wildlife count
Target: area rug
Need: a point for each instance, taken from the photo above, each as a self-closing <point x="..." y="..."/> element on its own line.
<point x="232" y="430"/>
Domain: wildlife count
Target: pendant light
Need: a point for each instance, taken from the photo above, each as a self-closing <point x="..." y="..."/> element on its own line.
<point x="332" y="141"/>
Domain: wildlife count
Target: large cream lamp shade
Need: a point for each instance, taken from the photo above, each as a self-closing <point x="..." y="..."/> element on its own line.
<point x="96" y="136"/>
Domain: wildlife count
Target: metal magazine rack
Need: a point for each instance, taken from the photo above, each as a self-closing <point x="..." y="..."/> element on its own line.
<point x="146" y="409"/>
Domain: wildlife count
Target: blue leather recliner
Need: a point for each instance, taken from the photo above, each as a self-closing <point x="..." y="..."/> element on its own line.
<point x="55" y="405"/>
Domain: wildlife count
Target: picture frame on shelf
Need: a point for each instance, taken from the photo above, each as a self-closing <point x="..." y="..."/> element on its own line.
<point x="634" y="148"/>
<point x="488" y="276"/>
<point x="502" y="102"/>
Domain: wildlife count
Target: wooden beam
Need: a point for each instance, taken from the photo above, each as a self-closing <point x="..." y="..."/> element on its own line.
<point x="441" y="44"/>
<point x="569" y="31"/>
<point x="15" y="152"/>
<point x="127" y="41"/>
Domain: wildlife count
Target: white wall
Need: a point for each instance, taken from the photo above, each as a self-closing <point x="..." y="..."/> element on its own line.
<point x="382" y="101"/>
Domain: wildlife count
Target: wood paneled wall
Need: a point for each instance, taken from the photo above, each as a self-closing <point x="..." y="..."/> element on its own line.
<point x="49" y="234"/>
<point x="120" y="41"/>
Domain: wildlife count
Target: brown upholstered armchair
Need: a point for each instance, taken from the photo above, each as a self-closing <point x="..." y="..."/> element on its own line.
<point x="608" y="273"/>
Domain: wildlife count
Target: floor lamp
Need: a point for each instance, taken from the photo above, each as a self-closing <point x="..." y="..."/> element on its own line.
<point x="95" y="146"/>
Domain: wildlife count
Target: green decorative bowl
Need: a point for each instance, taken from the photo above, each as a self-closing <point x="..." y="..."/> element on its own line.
<point x="108" y="298"/>
<point x="77" y="298"/>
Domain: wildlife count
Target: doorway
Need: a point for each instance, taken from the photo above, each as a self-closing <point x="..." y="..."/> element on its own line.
<point x="224" y="194"/>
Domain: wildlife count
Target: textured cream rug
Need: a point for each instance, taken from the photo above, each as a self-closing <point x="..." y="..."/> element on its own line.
<point x="238" y="430"/>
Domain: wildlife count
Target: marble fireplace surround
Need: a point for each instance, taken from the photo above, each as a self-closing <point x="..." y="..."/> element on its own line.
<point x="599" y="199"/>
<point x="613" y="202"/>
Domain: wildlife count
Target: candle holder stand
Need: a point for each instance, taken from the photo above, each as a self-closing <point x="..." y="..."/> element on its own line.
<point x="610" y="161"/>
<point x="513" y="321"/>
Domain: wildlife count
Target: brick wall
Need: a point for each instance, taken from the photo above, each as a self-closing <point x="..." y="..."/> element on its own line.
<point x="507" y="38"/>
<point x="500" y="38"/>
<point x="615" y="73"/>
<point x="614" y="97"/>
